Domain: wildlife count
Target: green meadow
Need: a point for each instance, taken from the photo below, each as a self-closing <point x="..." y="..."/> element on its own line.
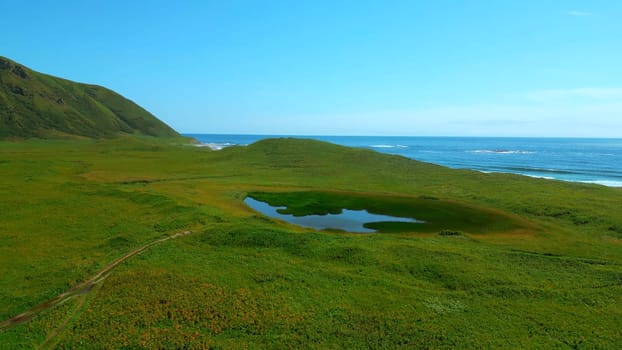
<point x="503" y="261"/>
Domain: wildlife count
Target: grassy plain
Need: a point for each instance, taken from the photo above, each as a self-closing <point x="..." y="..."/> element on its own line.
<point x="243" y="280"/>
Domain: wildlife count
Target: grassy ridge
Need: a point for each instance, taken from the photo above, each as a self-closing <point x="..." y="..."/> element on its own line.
<point x="70" y="207"/>
<point x="33" y="104"/>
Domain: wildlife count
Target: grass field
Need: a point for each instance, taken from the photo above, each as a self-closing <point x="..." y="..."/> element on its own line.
<point x="545" y="271"/>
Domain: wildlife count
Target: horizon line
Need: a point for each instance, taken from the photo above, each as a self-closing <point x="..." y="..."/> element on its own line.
<point x="422" y="136"/>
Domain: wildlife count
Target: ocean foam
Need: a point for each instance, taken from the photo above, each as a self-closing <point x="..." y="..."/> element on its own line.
<point x="388" y="146"/>
<point x="608" y="183"/>
<point x="540" y="177"/>
<point x="216" y="146"/>
<point x="501" y="151"/>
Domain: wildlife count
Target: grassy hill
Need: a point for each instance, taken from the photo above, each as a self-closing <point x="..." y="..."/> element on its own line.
<point x="242" y="280"/>
<point x="33" y="104"/>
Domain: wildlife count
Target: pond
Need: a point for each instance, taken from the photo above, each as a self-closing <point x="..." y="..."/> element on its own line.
<point x="348" y="220"/>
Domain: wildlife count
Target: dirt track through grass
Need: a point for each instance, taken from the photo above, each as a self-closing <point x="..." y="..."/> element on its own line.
<point x="78" y="291"/>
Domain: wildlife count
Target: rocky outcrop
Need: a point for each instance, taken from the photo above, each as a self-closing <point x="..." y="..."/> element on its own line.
<point x="14" y="68"/>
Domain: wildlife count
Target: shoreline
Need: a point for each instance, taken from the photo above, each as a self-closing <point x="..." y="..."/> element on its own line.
<point x="523" y="160"/>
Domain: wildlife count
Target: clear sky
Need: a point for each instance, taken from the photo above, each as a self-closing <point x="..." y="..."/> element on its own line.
<point x="339" y="67"/>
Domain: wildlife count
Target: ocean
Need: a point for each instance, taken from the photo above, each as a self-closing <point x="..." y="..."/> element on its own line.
<point x="597" y="161"/>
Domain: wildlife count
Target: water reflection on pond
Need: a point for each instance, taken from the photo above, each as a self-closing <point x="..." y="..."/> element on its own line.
<point x="348" y="220"/>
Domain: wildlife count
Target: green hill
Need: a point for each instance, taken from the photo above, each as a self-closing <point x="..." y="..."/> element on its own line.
<point x="33" y="104"/>
<point x="550" y="277"/>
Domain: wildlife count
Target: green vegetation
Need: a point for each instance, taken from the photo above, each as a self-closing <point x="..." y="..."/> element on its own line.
<point x="33" y="104"/>
<point x="438" y="214"/>
<point x="548" y="277"/>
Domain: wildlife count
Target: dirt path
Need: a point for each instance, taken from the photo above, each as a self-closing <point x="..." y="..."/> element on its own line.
<point x="80" y="290"/>
<point x="52" y="339"/>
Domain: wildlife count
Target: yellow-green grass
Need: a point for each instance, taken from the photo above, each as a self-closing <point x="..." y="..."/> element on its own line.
<point x="243" y="280"/>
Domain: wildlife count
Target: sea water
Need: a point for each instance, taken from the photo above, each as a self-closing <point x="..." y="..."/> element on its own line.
<point x="597" y="161"/>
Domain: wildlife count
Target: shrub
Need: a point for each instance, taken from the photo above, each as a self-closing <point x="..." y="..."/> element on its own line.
<point x="450" y="233"/>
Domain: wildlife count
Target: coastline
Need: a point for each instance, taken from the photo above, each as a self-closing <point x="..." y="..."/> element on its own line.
<point x="589" y="161"/>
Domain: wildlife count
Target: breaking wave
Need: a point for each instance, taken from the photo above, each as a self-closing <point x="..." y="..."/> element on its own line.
<point x="388" y="146"/>
<point x="608" y="183"/>
<point x="501" y="151"/>
<point x="216" y="146"/>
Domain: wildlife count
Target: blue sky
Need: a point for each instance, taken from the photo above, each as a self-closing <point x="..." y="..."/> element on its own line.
<point x="390" y="67"/>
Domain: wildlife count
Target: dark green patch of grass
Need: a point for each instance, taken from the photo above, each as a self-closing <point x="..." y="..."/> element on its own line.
<point x="439" y="215"/>
<point x="450" y="233"/>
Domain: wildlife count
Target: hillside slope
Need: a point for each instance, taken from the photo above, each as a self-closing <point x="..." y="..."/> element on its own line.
<point x="33" y="104"/>
<point x="244" y="280"/>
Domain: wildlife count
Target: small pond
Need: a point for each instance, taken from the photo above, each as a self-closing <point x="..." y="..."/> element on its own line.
<point x="348" y="220"/>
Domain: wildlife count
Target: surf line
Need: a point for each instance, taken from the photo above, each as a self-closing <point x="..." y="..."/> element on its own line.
<point x="82" y="288"/>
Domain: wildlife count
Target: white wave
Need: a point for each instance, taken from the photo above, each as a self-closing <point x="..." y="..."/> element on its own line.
<point x="501" y="151"/>
<point x="540" y="177"/>
<point x="388" y="146"/>
<point x="608" y="183"/>
<point x="216" y="146"/>
<point x="522" y="174"/>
